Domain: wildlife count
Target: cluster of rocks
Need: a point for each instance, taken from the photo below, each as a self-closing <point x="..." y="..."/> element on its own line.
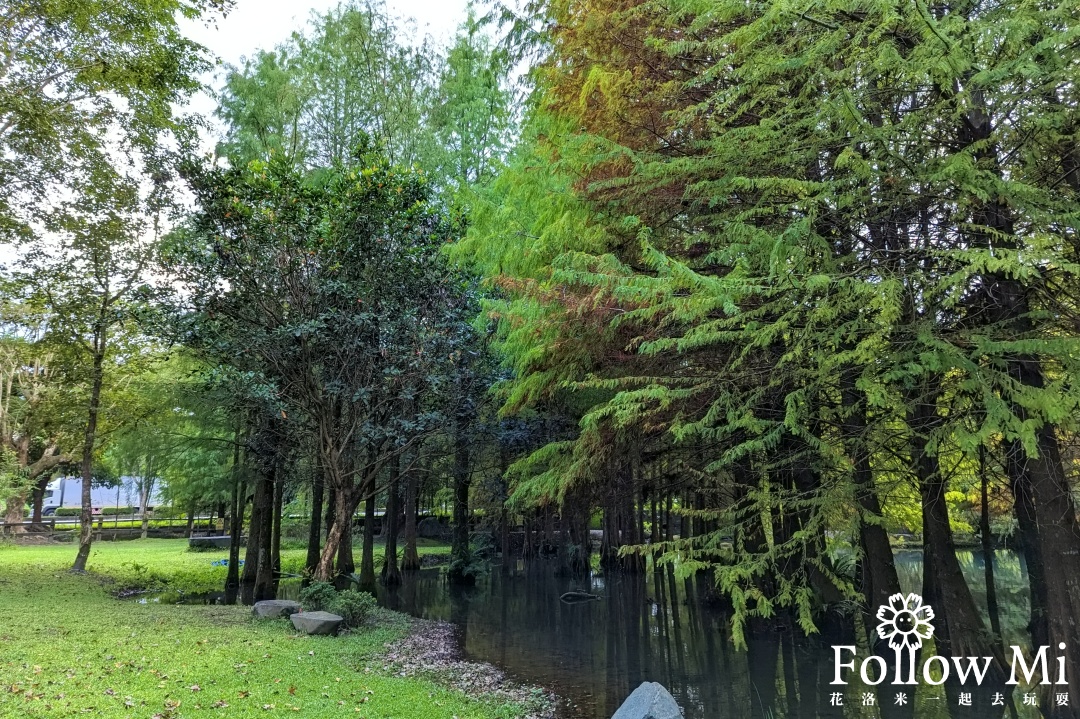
<point x="307" y="622"/>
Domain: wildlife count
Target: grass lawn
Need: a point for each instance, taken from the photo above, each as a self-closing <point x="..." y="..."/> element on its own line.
<point x="67" y="648"/>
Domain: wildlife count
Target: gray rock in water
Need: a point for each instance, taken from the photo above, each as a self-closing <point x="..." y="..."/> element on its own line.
<point x="275" y="608"/>
<point x="649" y="701"/>
<point x="317" y="622"/>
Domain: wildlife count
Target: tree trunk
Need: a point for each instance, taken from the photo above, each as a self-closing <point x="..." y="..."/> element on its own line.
<point x="264" y="570"/>
<point x="988" y="547"/>
<point x="609" y="542"/>
<point x="16" y="503"/>
<point x="236" y="527"/>
<point x="346" y="562"/>
<point x="331" y="509"/>
<point x="391" y="575"/>
<point x="38" y="499"/>
<point x="275" y="543"/>
<point x="460" y="554"/>
<point x="342" y="511"/>
<point x="315" y="530"/>
<point x="367" y="560"/>
<point x="958" y="627"/>
<point x="411" y="560"/>
<point x="256" y="579"/>
<point x="877" y="569"/>
<point x="504" y="536"/>
<point x="86" y="517"/>
<point x="1042" y="483"/>
<point x="147" y="485"/>
<point x="13" y="514"/>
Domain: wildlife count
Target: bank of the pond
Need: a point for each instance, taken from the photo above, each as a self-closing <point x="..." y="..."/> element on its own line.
<point x="68" y="648"/>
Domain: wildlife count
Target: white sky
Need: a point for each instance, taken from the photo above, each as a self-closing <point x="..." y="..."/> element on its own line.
<point x="261" y="24"/>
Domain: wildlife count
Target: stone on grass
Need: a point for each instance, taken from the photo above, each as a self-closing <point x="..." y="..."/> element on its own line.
<point x="213" y="542"/>
<point x="649" y="701"/>
<point x="275" y="608"/>
<point x="317" y="622"/>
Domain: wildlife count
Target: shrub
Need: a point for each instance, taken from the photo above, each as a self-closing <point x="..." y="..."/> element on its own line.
<point x="354" y="607"/>
<point x="167" y="512"/>
<point x="295" y="529"/>
<point x="68" y="511"/>
<point x="317" y="596"/>
<point x="117" y="511"/>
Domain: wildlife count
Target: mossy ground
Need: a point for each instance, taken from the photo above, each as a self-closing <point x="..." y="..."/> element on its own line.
<point x="68" y="648"/>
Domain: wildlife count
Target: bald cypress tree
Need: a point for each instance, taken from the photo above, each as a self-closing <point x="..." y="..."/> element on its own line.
<point x="763" y="228"/>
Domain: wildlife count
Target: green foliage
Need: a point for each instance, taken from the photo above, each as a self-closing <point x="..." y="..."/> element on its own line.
<point x="318" y="596"/>
<point x="116" y="511"/>
<point x="469" y="568"/>
<point x="472" y="115"/>
<point x="166" y="511"/>
<point x="315" y="97"/>
<point x="768" y="252"/>
<point x="85" y="79"/>
<point x="68" y="511"/>
<point x="356" y="608"/>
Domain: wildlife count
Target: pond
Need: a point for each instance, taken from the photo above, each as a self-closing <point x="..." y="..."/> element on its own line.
<point x="659" y="628"/>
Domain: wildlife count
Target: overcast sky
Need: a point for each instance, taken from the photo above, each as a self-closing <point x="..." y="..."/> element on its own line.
<point x="261" y="24"/>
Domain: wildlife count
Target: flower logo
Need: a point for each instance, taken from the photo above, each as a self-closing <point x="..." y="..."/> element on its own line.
<point x="905" y="621"/>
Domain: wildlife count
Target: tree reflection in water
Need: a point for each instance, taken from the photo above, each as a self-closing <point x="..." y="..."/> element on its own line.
<point x="656" y="627"/>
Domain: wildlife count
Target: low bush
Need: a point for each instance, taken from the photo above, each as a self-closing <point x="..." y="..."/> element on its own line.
<point x="296" y="529"/>
<point x="68" y="511"/>
<point x="352" y="606"/>
<point x="117" y="511"/>
<point x="317" y="596"/>
<point x="168" y="512"/>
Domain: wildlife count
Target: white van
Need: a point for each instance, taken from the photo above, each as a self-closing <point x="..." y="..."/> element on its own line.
<point x="67" y="492"/>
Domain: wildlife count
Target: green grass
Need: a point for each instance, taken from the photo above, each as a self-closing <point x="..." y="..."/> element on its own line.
<point x="70" y="649"/>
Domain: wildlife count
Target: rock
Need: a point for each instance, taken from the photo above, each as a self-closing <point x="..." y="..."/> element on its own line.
<point x="432" y="528"/>
<point x="221" y="542"/>
<point x="275" y="608"/>
<point x="316" y="622"/>
<point x="649" y="701"/>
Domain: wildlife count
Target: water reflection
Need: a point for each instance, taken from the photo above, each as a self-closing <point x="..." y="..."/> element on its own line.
<point x="660" y="628"/>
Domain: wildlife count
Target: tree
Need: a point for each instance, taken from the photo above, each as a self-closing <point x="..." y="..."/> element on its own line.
<point x="262" y="105"/>
<point x="88" y="277"/>
<point x="315" y="96"/>
<point x="472" y="116"/>
<point x="32" y="426"/>
<point x="799" y="242"/>
<point x="331" y="288"/>
<point x="74" y="74"/>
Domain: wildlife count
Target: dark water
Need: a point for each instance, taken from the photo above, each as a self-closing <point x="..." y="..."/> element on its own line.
<point x="659" y="628"/>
